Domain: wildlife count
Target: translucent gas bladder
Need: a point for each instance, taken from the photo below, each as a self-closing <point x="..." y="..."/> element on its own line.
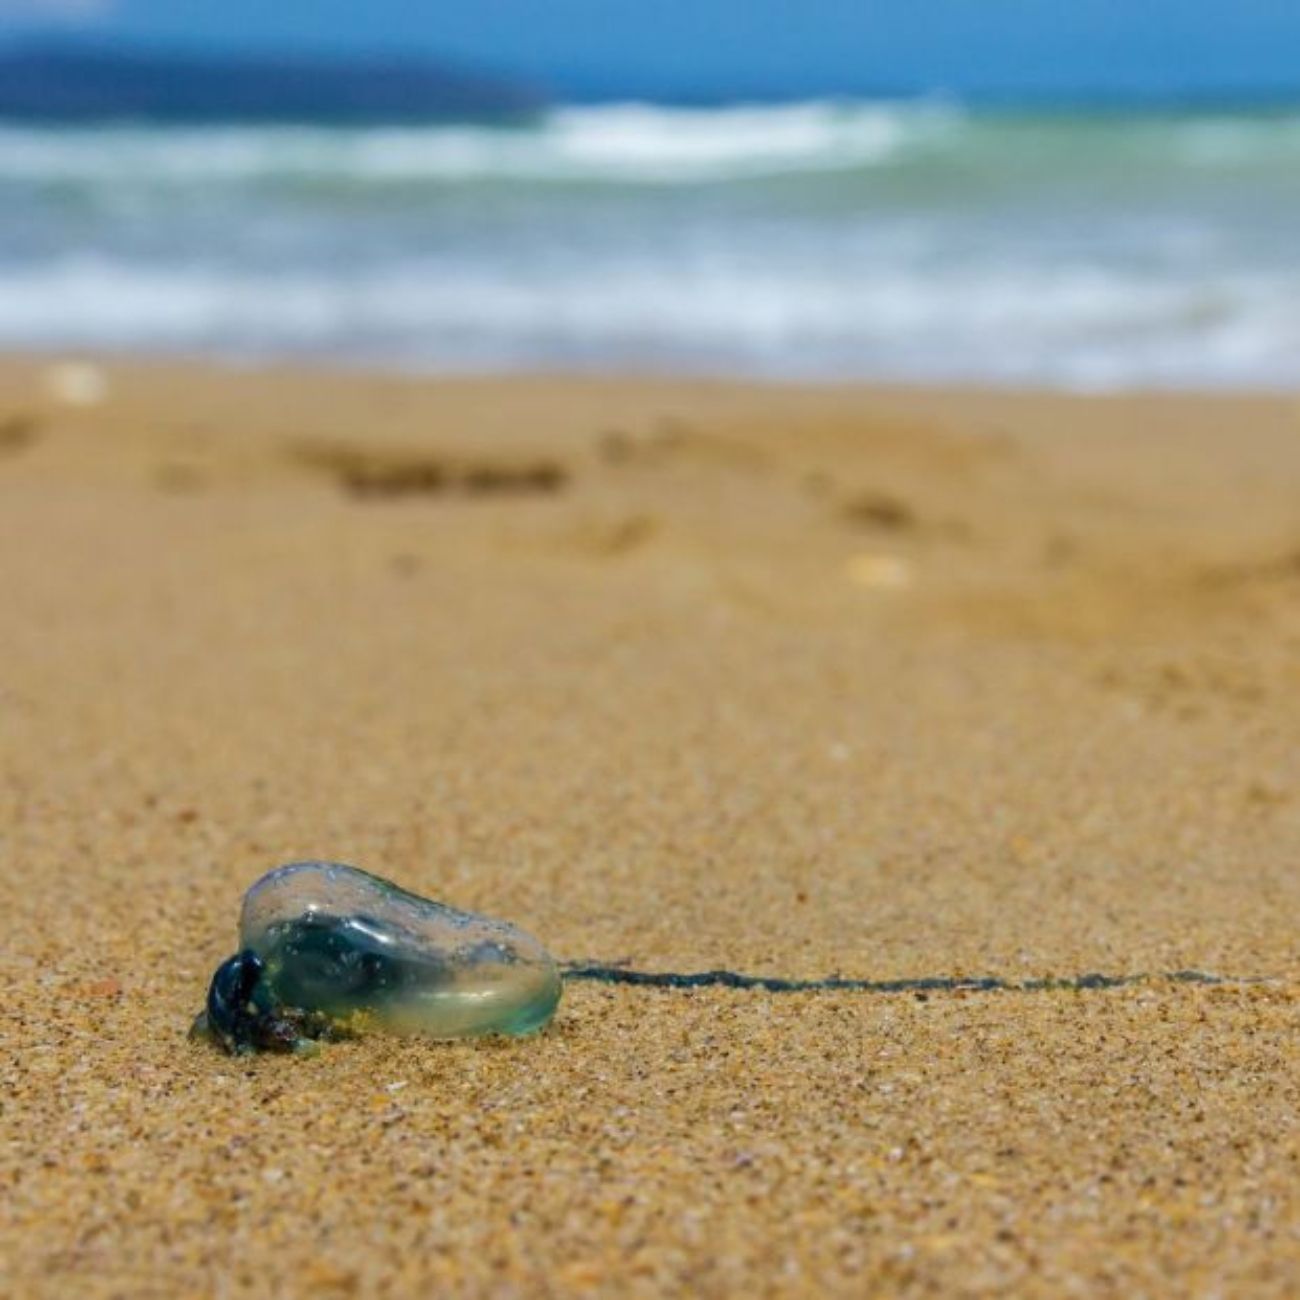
<point x="328" y="950"/>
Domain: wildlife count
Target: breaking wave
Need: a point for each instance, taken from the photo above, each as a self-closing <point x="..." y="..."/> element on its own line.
<point x="919" y="241"/>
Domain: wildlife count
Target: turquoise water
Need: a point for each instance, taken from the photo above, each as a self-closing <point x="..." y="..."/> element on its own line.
<point x="915" y="241"/>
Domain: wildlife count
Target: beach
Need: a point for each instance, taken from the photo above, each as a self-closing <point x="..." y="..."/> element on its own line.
<point x="877" y="683"/>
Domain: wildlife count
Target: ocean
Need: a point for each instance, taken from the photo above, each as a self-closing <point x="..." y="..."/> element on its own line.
<point x="919" y="241"/>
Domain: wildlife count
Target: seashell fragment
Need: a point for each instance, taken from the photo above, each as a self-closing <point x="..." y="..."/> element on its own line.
<point x="328" y="951"/>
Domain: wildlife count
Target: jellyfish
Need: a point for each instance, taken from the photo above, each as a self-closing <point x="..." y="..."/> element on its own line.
<point x="330" y="951"/>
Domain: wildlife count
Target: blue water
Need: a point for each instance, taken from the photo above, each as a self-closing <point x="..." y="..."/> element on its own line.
<point x="916" y="241"/>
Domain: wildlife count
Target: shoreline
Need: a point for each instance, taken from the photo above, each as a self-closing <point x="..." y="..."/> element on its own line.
<point x="292" y="369"/>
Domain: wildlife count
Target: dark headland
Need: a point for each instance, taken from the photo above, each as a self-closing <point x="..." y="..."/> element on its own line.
<point x="71" y="83"/>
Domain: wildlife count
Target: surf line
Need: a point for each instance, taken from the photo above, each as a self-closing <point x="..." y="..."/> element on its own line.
<point x="730" y="979"/>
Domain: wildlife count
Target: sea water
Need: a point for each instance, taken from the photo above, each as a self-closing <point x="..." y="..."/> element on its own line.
<point x="918" y="241"/>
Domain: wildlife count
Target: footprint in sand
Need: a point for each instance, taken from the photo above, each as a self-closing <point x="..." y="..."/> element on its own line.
<point x="17" y="432"/>
<point x="609" y="539"/>
<point x="374" y="474"/>
<point x="880" y="511"/>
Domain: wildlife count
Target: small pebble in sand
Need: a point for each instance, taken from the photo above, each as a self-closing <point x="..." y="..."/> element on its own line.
<point x="329" y="951"/>
<point x="76" y="383"/>
<point x="880" y="571"/>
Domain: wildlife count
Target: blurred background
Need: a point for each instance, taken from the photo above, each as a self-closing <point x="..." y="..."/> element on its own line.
<point x="1089" y="195"/>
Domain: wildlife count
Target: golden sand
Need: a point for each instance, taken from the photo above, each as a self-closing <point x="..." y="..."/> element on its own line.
<point x="880" y="684"/>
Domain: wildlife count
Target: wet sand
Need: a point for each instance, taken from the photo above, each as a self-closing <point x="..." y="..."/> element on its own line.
<point x="875" y="684"/>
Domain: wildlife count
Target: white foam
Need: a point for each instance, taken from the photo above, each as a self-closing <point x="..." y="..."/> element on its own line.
<point x="623" y="142"/>
<point x="1080" y="327"/>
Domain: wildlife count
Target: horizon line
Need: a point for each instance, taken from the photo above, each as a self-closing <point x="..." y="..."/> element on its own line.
<point x="587" y="87"/>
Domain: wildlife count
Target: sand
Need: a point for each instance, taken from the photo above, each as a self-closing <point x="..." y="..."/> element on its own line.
<point x="884" y="684"/>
